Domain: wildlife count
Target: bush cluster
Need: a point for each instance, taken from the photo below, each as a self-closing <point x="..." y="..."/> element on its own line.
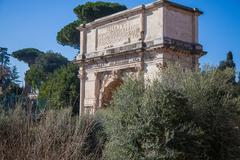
<point x="180" y="115"/>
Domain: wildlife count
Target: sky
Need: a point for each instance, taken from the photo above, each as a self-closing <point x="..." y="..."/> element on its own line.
<point x="35" y="23"/>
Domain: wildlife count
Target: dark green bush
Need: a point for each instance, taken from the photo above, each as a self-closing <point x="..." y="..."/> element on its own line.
<point x="179" y="116"/>
<point x="61" y="89"/>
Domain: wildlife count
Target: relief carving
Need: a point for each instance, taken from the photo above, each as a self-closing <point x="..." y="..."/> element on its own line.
<point x="116" y="62"/>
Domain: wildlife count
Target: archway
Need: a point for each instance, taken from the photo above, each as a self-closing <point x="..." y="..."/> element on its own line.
<point x="109" y="90"/>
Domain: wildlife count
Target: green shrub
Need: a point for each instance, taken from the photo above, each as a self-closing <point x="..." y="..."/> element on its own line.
<point x="61" y="89"/>
<point x="179" y="116"/>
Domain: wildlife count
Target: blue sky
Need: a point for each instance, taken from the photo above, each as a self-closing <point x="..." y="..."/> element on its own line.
<point x="34" y="23"/>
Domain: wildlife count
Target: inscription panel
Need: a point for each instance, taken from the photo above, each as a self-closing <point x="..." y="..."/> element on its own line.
<point x="119" y="33"/>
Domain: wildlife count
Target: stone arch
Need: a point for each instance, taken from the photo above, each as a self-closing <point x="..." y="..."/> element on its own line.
<point x="108" y="89"/>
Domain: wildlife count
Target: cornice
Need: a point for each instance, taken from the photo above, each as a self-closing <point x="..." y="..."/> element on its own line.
<point x="135" y="10"/>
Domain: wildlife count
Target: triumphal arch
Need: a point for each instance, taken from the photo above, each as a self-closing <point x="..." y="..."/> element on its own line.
<point x="134" y="41"/>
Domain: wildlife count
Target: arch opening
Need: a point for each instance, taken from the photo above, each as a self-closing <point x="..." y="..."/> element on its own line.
<point x="109" y="90"/>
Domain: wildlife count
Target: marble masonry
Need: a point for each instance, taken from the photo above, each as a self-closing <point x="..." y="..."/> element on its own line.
<point x="134" y="41"/>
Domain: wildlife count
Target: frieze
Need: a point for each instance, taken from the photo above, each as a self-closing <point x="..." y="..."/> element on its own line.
<point x="116" y="62"/>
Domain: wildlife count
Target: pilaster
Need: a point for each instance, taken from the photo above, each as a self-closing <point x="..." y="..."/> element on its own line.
<point x="195" y="27"/>
<point x="82" y="73"/>
<point x="82" y="76"/>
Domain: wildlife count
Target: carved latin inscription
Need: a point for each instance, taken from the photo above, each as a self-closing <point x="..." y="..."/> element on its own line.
<point x="126" y="31"/>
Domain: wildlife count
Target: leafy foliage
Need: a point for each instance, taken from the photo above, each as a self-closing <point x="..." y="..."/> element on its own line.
<point x="5" y="70"/>
<point x="27" y="55"/>
<point x="50" y="61"/>
<point x="14" y="75"/>
<point x="183" y="116"/>
<point x="229" y="63"/>
<point x="44" y="65"/>
<point x="8" y="81"/>
<point x="69" y="35"/>
<point x="94" y="10"/>
<point x="4" y="57"/>
<point x="8" y="76"/>
<point x="88" y="12"/>
<point x="35" y="77"/>
<point x="62" y="88"/>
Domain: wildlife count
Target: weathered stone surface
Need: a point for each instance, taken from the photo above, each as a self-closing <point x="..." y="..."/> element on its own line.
<point x="142" y="39"/>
